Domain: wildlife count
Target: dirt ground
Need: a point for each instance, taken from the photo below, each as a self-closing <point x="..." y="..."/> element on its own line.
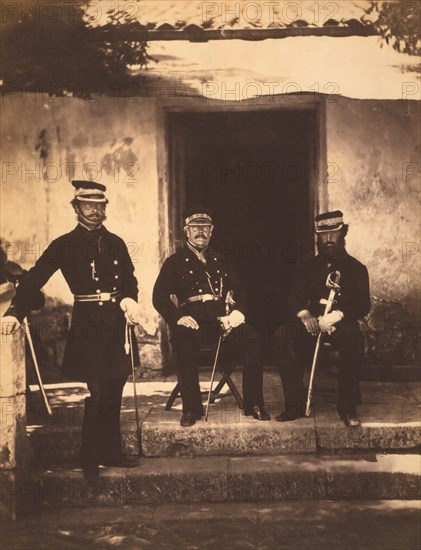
<point x="344" y="525"/>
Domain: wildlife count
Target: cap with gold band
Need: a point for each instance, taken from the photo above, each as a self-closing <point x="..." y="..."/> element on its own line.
<point x="198" y="216"/>
<point x="91" y="191"/>
<point x="329" y="221"/>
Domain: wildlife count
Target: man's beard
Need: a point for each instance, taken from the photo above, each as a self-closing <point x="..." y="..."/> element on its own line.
<point x="330" y="249"/>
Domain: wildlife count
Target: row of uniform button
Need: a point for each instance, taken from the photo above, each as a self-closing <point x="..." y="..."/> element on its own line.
<point x="92" y="264"/>
<point x="115" y="263"/>
<point x="98" y="290"/>
<point x="216" y="282"/>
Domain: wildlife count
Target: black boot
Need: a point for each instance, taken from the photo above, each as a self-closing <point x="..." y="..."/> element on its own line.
<point x="88" y="455"/>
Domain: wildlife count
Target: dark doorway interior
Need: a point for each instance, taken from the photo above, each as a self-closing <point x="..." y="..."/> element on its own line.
<point x="254" y="170"/>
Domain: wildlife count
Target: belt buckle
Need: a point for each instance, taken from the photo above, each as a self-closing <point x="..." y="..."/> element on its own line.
<point x="105" y="296"/>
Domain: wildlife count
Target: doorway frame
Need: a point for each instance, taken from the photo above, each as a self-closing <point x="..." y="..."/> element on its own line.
<point x="317" y="186"/>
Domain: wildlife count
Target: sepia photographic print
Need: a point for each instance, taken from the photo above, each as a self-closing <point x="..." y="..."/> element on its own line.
<point x="210" y="274"/>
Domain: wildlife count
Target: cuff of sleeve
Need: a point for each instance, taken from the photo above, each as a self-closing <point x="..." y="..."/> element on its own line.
<point x="302" y="313"/>
<point x="127" y="302"/>
<point x="13" y="311"/>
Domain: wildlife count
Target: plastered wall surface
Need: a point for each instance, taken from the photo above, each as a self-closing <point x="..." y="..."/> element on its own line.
<point x="48" y="142"/>
<point x="373" y="150"/>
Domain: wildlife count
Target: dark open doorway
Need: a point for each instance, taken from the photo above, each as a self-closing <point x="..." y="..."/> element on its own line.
<point x="255" y="170"/>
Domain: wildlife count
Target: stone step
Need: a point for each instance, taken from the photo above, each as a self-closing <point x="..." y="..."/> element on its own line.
<point x="236" y="479"/>
<point x="49" y="445"/>
<point x="390" y="416"/>
<point x="229" y="433"/>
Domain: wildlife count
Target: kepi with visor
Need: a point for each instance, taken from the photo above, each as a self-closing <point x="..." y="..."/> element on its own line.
<point x="329" y="221"/>
<point x="91" y="191"/>
<point x="198" y="216"/>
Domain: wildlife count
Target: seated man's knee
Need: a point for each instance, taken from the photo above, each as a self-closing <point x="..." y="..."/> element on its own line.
<point x="182" y="333"/>
<point x="209" y="333"/>
<point x="287" y="335"/>
<point x="350" y="332"/>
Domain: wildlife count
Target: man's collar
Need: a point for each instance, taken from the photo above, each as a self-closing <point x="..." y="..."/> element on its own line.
<point x="200" y="254"/>
<point x="89" y="229"/>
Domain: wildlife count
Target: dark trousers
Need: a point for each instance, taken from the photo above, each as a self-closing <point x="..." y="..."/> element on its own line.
<point x="241" y="343"/>
<point x="101" y="437"/>
<point x="294" y="351"/>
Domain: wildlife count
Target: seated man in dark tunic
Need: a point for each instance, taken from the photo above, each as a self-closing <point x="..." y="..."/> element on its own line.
<point x="202" y="281"/>
<point x="98" y="269"/>
<point x="295" y="342"/>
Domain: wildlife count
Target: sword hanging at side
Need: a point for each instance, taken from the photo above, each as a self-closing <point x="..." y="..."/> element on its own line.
<point x="26" y="328"/>
<point x="229" y="301"/>
<point x="129" y="349"/>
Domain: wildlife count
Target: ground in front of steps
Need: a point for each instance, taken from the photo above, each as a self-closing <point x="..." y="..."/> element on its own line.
<point x="344" y="525"/>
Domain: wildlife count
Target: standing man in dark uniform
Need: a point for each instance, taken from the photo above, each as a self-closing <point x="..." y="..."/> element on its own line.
<point x="295" y="342"/>
<point x="201" y="281"/>
<point x="98" y="269"/>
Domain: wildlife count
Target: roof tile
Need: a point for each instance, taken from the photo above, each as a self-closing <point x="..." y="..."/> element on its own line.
<point x="244" y="14"/>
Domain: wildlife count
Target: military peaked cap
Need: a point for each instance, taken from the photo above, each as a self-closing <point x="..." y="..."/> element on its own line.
<point x="329" y="221"/>
<point x="198" y="216"/>
<point x="89" y="191"/>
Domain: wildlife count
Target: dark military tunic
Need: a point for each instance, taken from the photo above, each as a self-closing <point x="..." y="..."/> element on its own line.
<point x="92" y="262"/>
<point x="310" y="286"/>
<point x="294" y="347"/>
<point x="184" y="275"/>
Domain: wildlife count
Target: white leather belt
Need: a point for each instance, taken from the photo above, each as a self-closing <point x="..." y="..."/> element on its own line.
<point x="101" y="297"/>
<point x="200" y="298"/>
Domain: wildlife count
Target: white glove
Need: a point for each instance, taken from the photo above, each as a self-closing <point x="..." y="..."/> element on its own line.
<point x="131" y="311"/>
<point x="327" y="322"/>
<point x="233" y="320"/>
<point x="9" y="325"/>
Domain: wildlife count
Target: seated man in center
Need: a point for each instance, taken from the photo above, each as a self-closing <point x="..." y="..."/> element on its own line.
<point x="204" y="284"/>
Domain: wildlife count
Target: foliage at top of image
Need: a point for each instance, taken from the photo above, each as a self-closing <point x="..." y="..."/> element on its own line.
<point x="78" y="51"/>
<point x="399" y="24"/>
<point x="71" y="52"/>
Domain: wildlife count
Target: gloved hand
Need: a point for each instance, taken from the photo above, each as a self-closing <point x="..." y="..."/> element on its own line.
<point x="131" y="311"/>
<point x="9" y="325"/>
<point x="327" y="322"/>
<point x="233" y="320"/>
